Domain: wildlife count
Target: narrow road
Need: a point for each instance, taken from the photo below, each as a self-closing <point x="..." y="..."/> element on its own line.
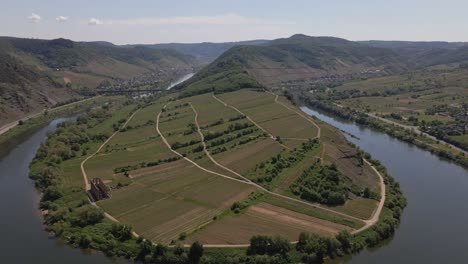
<point x="259" y="186"/>
<point x="13" y="124"/>
<point x="368" y="223"/>
<point x="251" y="120"/>
<point x="187" y="159"/>
<point x="83" y="171"/>
<point x="418" y="131"/>
<point x="297" y="112"/>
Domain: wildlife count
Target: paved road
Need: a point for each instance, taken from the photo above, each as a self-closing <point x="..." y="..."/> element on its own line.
<point x="13" y="124"/>
<point x="416" y="130"/>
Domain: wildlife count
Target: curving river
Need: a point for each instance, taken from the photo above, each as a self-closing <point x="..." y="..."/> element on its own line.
<point x="23" y="237"/>
<point x="434" y="226"/>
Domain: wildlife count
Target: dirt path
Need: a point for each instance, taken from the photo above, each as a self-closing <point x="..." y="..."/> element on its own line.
<point x="375" y="216"/>
<point x="254" y="184"/>
<point x="251" y="120"/>
<point x="83" y="171"/>
<point x="13" y="124"/>
<point x="297" y="112"/>
<point x="85" y="175"/>
<point x="368" y="223"/>
<point x="208" y="153"/>
<point x="187" y="159"/>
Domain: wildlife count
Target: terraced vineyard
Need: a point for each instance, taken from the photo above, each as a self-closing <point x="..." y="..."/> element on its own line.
<point x="220" y="169"/>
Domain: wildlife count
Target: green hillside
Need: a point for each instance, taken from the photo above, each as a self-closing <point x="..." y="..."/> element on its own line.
<point x="299" y="57"/>
<point x="36" y="74"/>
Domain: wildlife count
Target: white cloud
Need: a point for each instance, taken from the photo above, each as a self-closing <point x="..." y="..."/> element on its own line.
<point x="224" y="19"/>
<point x="94" y="22"/>
<point x="34" y="18"/>
<point x="61" y="19"/>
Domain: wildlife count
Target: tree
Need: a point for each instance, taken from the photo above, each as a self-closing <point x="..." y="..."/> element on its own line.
<point x="145" y="248"/>
<point x="160" y="250"/>
<point x="312" y="244"/>
<point x="367" y="193"/>
<point x="279" y="245"/>
<point x="195" y="253"/>
<point x="121" y="232"/>
<point x="259" y="245"/>
<point x="345" y="239"/>
<point x="88" y="216"/>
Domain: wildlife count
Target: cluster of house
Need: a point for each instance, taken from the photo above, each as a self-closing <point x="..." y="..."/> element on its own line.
<point x="154" y="78"/>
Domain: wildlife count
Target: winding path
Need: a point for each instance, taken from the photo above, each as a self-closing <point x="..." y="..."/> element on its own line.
<point x="369" y="222"/>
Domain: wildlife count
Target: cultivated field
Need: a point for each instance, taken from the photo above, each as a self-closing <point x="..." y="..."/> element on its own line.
<point x="187" y="170"/>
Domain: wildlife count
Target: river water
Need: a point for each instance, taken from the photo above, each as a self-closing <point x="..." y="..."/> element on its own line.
<point x="180" y="80"/>
<point x="23" y="237"/>
<point x="434" y="225"/>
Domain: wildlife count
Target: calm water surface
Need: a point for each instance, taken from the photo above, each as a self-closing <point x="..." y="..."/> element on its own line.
<point x="23" y="237"/>
<point x="434" y="226"/>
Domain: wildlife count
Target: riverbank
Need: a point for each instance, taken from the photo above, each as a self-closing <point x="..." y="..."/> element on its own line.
<point x="22" y="223"/>
<point x="409" y="136"/>
<point x="15" y="133"/>
<point x="434" y="220"/>
<point x="80" y="224"/>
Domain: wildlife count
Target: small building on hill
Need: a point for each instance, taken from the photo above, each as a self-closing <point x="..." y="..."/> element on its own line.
<point x="99" y="190"/>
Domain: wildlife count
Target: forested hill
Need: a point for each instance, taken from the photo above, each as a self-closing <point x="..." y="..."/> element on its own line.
<point x="35" y="73"/>
<point x="205" y="52"/>
<point x="296" y="58"/>
<point x="302" y="58"/>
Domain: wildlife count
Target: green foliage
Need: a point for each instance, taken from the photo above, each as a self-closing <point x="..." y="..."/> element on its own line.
<point x="265" y="245"/>
<point x="321" y="184"/>
<point x="195" y="253"/>
<point x="268" y="170"/>
<point x="245" y="203"/>
<point x="121" y="232"/>
<point x="87" y="215"/>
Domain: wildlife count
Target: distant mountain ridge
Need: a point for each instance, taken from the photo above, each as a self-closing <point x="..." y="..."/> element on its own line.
<point x="206" y="51"/>
<point x="302" y="57"/>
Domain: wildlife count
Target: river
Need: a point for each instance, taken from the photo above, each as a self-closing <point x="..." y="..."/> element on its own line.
<point x="434" y="225"/>
<point x="180" y="80"/>
<point x="23" y="237"/>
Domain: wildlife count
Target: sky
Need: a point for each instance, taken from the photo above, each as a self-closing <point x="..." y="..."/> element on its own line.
<point x="189" y="21"/>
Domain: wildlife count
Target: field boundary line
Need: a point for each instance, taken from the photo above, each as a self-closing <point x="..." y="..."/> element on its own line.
<point x="83" y="171"/>
<point x="187" y="159"/>
<point x="297" y="112"/>
<point x="85" y="175"/>
<point x="376" y="214"/>
<point x="280" y="195"/>
<point x="208" y="153"/>
<point x="250" y="119"/>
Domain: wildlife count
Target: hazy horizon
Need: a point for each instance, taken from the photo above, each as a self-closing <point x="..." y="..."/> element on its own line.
<point x="183" y="21"/>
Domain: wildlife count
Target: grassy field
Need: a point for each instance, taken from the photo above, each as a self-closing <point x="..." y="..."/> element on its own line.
<point x="162" y="195"/>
